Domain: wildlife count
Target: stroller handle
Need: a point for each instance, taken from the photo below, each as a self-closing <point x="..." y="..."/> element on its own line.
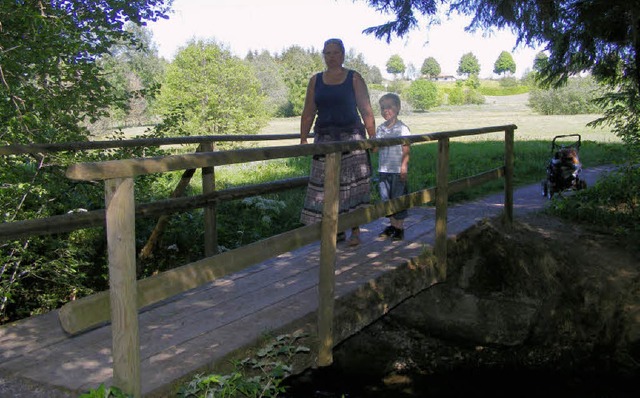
<point x="576" y="144"/>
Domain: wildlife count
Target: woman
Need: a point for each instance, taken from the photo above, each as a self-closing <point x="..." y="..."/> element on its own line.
<point x="338" y="100"/>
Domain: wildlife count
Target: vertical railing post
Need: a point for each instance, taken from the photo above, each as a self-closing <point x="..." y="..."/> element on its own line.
<point x="508" y="176"/>
<point x="326" y="283"/>
<point x="210" y="217"/>
<point x="442" y="197"/>
<point x="120" y="228"/>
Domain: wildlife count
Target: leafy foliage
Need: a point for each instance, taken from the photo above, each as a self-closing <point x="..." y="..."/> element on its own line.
<point x="468" y="65"/>
<point x="423" y="94"/>
<point x="53" y="83"/>
<point x="257" y="376"/>
<point x="299" y="65"/>
<point x="370" y="74"/>
<point x="430" y="67"/>
<point x="504" y="64"/>
<point x="214" y="92"/>
<point x="50" y="79"/>
<point x="395" y="65"/>
<point x="270" y="74"/>
<point x="105" y="392"/>
<point x="136" y="73"/>
<point x="577" y="97"/>
<point x="614" y="202"/>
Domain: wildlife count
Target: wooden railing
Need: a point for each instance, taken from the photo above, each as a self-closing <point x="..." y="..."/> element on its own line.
<point x="208" y="199"/>
<point x="127" y="295"/>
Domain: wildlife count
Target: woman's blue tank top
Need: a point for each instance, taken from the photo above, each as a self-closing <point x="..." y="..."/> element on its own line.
<point x="336" y="104"/>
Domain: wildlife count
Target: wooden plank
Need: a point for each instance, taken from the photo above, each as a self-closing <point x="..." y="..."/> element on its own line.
<point x="462" y="184"/>
<point x="121" y="242"/>
<point x="88" y="312"/>
<point x="509" y="157"/>
<point x="136" y="142"/>
<point x="132" y="167"/>
<point x="442" y="185"/>
<point x="86" y="359"/>
<point x="326" y="286"/>
<point x="95" y="218"/>
<point x="208" y="187"/>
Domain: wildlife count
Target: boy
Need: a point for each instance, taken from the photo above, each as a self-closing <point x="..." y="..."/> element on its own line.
<point x="393" y="163"/>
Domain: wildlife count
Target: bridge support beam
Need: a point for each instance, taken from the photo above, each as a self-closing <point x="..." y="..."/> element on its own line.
<point x="442" y="198"/>
<point x="326" y="283"/>
<point x="120" y="227"/>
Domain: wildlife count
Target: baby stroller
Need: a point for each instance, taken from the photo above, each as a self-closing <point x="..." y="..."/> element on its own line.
<point x="564" y="169"/>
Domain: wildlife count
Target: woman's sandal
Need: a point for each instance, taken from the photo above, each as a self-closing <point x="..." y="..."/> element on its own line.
<point x="354" y="240"/>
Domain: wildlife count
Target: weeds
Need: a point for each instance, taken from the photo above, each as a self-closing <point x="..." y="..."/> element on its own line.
<point x="254" y="377"/>
<point x="612" y="203"/>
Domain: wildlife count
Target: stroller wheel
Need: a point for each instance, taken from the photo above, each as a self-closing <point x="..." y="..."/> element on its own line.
<point x="544" y="188"/>
<point x="547" y="190"/>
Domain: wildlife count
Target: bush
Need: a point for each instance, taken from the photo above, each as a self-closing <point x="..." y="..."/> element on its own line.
<point x="577" y="97"/>
<point x="614" y="202"/>
<point x="422" y="95"/>
<point x="465" y="96"/>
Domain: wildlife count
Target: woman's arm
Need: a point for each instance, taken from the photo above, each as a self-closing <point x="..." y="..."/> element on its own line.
<point x="308" y="112"/>
<point x="364" y="104"/>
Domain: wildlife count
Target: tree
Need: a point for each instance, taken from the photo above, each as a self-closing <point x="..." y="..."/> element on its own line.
<point x="395" y="65"/>
<point x="422" y="94"/>
<point x="412" y="72"/>
<point x="212" y="92"/>
<point x="298" y="66"/>
<point x="51" y="81"/>
<point x="540" y="62"/>
<point x="51" y="85"/>
<point x="599" y="36"/>
<point x="375" y="75"/>
<point x="136" y="73"/>
<point x="430" y="68"/>
<point x="270" y="74"/>
<point x="504" y="64"/>
<point x="468" y="65"/>
<point x="370" y="74"/>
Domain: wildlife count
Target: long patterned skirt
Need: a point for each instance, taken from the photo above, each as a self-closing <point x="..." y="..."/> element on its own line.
<point x="355" y="178"/>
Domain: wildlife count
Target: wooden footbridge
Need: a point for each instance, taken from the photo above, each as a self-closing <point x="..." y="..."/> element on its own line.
<point x="147" y="336"/>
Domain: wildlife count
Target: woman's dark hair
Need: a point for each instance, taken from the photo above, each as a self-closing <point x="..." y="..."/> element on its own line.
<point x="335" y="41"/>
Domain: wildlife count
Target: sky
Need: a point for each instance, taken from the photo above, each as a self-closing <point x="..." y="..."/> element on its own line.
<point x="275" y="25"/>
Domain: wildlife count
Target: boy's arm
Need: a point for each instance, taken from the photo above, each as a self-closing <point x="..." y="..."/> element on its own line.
<point x="404" y="168"/>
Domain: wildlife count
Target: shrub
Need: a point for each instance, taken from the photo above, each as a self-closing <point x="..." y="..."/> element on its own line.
<point x="423" y="94"/>
<point x="612" y="201"/>
<point x="577" y="97"/>
<point x="253" y="377"/>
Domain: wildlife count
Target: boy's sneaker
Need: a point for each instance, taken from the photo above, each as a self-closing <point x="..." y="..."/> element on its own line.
<point x="389" y="231"/>
<point x="398" y="234"/>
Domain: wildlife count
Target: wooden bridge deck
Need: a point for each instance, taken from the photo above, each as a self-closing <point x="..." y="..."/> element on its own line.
<point x="203" y="328"/>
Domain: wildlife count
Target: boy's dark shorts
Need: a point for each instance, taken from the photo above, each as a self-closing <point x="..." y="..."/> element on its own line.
<point x="391" y="186"/>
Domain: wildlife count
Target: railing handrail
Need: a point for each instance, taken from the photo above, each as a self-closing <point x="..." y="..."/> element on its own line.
<point x="126" y="294"/>
<point x="17" y="149"/>
<point x="91" y="171"/>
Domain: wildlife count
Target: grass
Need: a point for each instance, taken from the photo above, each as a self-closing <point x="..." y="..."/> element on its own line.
<point x="243" y="222"/>
<point x="496" y="111"/>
